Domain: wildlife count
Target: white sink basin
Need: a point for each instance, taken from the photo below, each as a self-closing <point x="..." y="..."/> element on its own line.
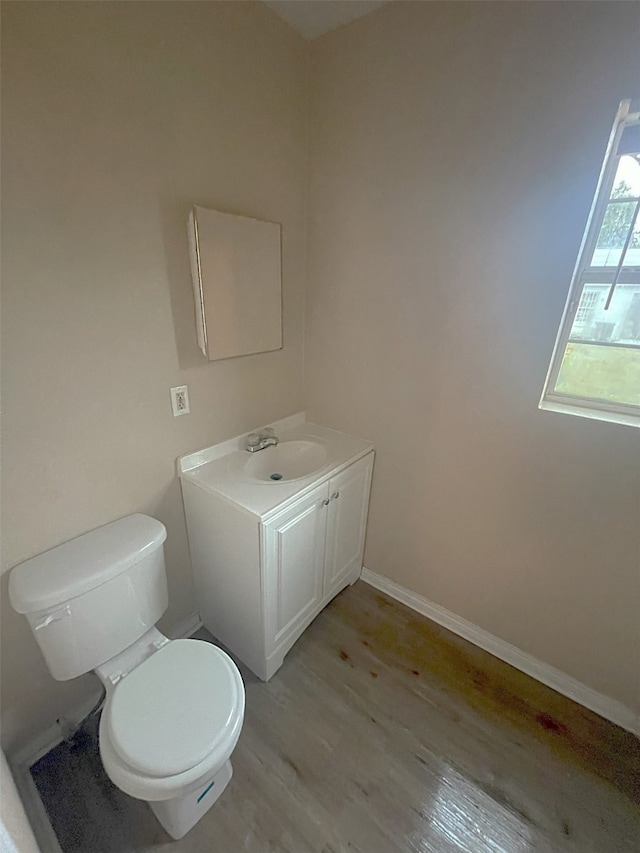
<point x="289" y="460"/>
<point x="307" y="452"/>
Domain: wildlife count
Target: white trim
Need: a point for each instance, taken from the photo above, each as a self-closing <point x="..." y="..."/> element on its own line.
<point x="550" y="399"/>
<point x="45" y="741"/>
<point x="550" y="405"/>
<point x="606" y="707"/>
<point x="34" y="808"/>
<point x="589" y="238"/>
<point x="186" y="627"/>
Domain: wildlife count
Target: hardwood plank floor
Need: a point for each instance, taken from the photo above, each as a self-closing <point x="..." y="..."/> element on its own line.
<point x="383" y="732"/>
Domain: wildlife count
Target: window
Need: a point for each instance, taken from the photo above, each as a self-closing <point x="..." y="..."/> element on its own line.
<point x="595" y="367"/>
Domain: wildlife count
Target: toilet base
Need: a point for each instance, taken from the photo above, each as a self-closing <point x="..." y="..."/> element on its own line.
<point x="181" y="814"/>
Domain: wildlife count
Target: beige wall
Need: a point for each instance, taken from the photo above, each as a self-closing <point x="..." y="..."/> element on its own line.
<point x="454" y="152"/>
<point x="449" y="143"/>
<point x="116" y="117"/>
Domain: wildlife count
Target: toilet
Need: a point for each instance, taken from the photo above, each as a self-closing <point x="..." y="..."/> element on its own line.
<point x="174" y="708"/>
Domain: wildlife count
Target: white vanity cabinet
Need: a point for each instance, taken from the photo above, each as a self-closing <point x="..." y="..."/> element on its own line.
<point x="293" y="547"/>
<point x="312" y="550"/>
<point x="267" y="558"/>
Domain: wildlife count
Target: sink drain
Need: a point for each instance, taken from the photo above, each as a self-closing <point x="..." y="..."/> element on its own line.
<point x="276" y="476"/>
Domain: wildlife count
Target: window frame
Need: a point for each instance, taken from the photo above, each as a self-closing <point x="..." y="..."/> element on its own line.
<point x="584" y="274"/>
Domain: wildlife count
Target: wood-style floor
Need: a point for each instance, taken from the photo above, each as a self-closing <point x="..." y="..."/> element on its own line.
<point x="383" y="733"/>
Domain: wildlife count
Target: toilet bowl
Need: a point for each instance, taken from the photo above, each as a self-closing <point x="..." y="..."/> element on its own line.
<point x="173" y="754"/>
<point x="174" y="708"/>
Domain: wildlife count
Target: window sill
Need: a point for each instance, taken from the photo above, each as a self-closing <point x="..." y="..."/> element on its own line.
<point x="588" y="412"/>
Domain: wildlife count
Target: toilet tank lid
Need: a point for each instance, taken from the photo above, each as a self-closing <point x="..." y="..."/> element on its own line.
<point x="84" y="563"/>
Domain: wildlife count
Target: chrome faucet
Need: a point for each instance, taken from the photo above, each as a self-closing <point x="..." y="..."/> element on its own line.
<point x="259" y="440"/>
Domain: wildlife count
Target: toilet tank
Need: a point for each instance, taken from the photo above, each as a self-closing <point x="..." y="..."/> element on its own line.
<point x="91" y="598"/>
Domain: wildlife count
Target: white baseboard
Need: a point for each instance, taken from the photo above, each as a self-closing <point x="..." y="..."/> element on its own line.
<point x="36" y="813"/>
<point x="606" y="707"/>
<point x="188" y="626"/>
<point x="45" y="741"/>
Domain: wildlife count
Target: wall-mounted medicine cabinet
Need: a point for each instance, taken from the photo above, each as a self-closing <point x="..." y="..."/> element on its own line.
<point x="236" y="270"/>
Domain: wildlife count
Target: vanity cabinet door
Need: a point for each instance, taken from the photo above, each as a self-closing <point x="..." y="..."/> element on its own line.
<point x="293" y="565"/>
<point x="346" y="524"/>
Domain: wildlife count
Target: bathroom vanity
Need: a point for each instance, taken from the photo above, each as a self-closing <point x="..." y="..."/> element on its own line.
<point x="274" y="535"/>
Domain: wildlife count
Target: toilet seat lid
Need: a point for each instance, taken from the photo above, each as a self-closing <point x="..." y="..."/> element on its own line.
<point x="176" y="708"/>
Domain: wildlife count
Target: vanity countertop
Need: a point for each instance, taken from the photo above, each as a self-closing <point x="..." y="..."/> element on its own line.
<point x="221" y="468"/>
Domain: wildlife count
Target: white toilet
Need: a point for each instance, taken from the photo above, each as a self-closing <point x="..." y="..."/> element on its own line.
<point x="174" y="708"/>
